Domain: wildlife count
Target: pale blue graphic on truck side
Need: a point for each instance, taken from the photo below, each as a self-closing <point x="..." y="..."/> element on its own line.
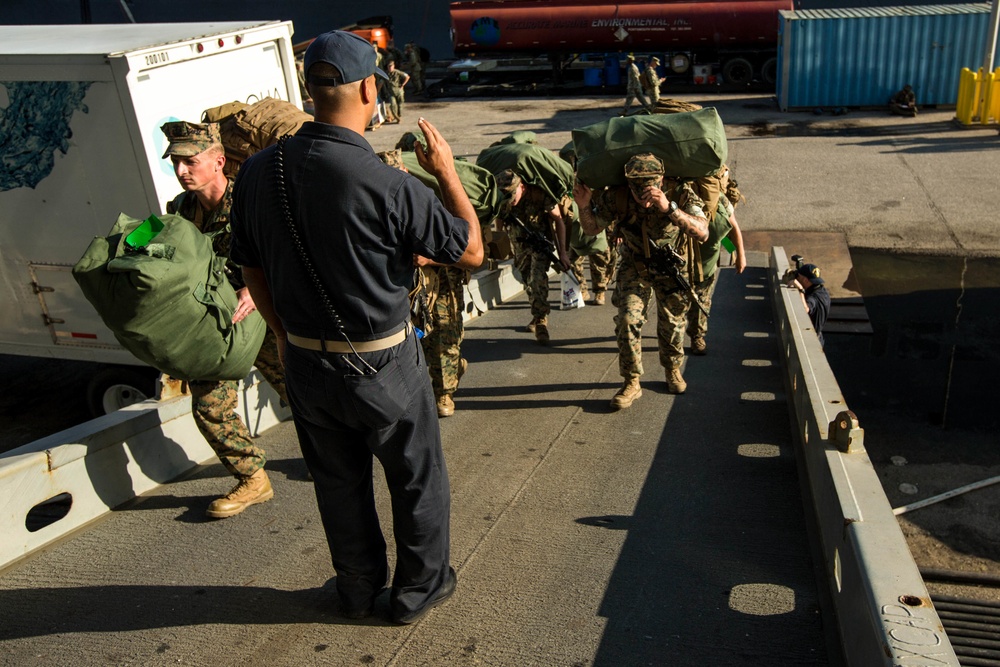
<point x="33" y="126"/>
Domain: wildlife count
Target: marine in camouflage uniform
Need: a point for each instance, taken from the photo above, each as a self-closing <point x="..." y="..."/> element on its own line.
<point x="214" y="403"/>
<point x="633" y="90"/>
<point x="651" y="83"/>
<point x="537" y="211"/>
<point x="665" y="211"/>
<point x="442" y="289"/>
<point x="416" y="65"/>
<point x="443" y="345"/>
<point x="602" y="267"/>
<point x="396" y="96"/>
<point x="722" y="225"/>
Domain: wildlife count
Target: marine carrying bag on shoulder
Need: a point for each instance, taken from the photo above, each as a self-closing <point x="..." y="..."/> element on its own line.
<point x="535" y="165"/>
<point x="478" y="183"/>
<point x="691" y="144"/>
<point x="167" y="300"/>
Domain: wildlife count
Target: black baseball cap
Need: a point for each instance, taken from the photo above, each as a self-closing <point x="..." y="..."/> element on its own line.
<point x="811" y="271"/>
<point x="350" y="54"/>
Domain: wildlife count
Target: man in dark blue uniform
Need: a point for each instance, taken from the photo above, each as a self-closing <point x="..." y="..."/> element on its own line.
<point x="815" y="297"/>
<point x="326" y="235"/>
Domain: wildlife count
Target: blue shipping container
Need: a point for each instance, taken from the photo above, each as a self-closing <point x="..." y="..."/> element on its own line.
<point x="860" y="57"/>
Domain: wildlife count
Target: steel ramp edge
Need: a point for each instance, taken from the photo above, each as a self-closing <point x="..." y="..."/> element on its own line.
<point x="883" y="610"/>
<point x="94" y="467"/>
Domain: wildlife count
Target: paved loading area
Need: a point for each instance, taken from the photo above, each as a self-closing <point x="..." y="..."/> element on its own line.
<point x="669" y="533"/>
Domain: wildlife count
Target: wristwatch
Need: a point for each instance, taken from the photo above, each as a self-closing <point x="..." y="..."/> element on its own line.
<point x="672" y="208"/>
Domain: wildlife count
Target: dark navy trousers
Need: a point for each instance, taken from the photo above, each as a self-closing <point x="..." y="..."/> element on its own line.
<point x="345" y="420"/>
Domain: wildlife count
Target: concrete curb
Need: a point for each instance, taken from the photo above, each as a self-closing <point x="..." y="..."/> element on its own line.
<point x="884" y="613"/>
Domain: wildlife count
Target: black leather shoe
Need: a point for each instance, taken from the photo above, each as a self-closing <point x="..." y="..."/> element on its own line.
<point x="443" y="593"/>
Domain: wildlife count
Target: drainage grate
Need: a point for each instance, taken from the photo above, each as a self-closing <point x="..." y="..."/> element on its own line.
<point x="973" y="626"/>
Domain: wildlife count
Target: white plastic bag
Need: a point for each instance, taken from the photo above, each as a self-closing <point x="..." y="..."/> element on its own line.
<point x="572" y="295"/>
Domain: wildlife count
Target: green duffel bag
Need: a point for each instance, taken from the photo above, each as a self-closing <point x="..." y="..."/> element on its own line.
<point x="534" y="164"/>
<point x="585" y="245"/>
<point x="479" y="184"/>
<point x="162" y="290"/>
<point x="691" y="144"/>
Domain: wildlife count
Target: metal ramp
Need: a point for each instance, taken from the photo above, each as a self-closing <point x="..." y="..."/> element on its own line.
<point x="670" y="533"/>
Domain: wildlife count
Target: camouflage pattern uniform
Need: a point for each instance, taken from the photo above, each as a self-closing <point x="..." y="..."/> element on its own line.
<point x="442" y="346"/>
<point x="396" y="95"/>
<point x="416" y="67"/>
<point x="601" y="267"/>
<point x="634" y="87"/>
<point x="214" y="403"/>
<point x="444" y="291"/>
<point x="532" y="265"/>
<point x="717" y="228"/>
<point x="651" y="83"/>
<point x="636" y="282"/>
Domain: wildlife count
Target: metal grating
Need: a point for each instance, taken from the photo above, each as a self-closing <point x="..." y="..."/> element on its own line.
<point x="973" y="627"/>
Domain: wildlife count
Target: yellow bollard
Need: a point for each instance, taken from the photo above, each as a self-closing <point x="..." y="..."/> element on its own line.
<point x="990" y="113"/>
<point x="966" y="96"/>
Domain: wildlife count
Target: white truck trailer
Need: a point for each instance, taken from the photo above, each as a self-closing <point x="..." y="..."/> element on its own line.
<point x="80" y="113"/>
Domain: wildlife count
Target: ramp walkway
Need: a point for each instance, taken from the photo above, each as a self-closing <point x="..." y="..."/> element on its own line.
<point x="671" y="533"/>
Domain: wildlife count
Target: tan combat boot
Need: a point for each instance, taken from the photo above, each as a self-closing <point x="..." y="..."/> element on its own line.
<point x="530" y="328"/>
<point x="248" y="491"/>
<point x="463" y="365"/>
<point x="445" y="406"/>
<point x="699" y="346"/>
<point x="599" y="298"/>
<point x="629" y="392"/>
<point x="542" y="331"/>
<point x="675" y="382"/>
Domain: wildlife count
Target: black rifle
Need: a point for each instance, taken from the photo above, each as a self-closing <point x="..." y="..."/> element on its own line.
<point x="664" y="260"/>
<point x="534" y="240"/>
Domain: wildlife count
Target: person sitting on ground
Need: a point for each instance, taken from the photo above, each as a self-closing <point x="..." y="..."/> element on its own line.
<point x="904" y="102"/>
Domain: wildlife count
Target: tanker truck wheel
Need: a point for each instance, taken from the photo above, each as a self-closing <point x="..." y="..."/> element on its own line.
<point x="114" y="387"/>
<point x="737" y="71"/>
<point x="769" y="71"/>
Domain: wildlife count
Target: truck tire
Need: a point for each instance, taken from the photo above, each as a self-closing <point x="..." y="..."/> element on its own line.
<point x="769" y="71"/>
<point x="114" y="387"/>
<point x="738" y="71"/>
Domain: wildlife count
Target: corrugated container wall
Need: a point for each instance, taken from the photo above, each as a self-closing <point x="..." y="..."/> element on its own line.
<point x="860" y="57"/>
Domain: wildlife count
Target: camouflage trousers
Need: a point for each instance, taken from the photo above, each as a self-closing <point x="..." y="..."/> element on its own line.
<point x="534" y="269"/>
<point x="442" y="346"/>
<point x="418" y="79"/>
<point x="214" y="405"/>
<point x="654" y="98"/>
<point x="633" y="291"/>
<point x="395" y="100"/>
<point x="601" y="267"/>
<point x="697" y="326"/>
<point x="634" y="93"/>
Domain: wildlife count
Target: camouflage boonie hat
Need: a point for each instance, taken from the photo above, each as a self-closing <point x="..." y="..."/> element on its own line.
<point x="393" y="158"/>
<point x="187" y="139"/>
<point x="507" y="182"/>
<point x="644" y="169"/>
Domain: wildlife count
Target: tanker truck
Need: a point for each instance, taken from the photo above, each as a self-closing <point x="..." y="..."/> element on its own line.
<point x="736" y="39"/>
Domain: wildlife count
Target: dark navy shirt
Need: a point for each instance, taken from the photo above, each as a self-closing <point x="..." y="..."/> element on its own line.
<point x="361" y="222"/>
<point x="818" y="301"/>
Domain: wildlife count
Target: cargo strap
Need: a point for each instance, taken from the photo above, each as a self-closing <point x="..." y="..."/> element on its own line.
<point x="343" y="347"/>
